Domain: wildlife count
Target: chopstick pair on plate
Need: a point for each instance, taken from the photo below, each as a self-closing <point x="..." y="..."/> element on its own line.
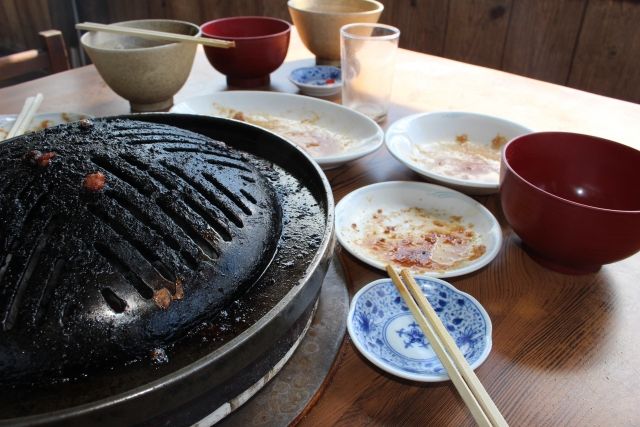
<point x="474" y="395"/>
<point x="23" y="120"/>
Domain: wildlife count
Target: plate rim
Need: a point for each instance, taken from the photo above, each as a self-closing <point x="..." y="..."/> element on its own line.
<point x="393" y="133"/>
<point x="495" y="229"/>
<point x="47" y="113"/>
<point x="377" y="138"/>
<point x="413" y="376"/>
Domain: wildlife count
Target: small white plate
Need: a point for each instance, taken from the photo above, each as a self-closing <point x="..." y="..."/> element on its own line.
<point x="385" y="332"/>
<point x="425" y="130"/>
<point x="319" y="80"/>
<point x="40" y="121"/>
<point x="358" y="207"/>
<point x="364" y="134"/>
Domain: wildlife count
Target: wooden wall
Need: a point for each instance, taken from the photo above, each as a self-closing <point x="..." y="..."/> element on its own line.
<point x="592" y="45"/>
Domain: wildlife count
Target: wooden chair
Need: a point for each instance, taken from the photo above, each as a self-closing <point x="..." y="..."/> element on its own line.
<point x="53" y="58"/>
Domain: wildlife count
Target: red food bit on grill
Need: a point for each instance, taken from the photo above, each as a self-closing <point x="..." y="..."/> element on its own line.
<point x="44" y="160"/>
<point x="179" y="293"/>
<point x="94" y="181"/>
<point x="38" y="158"/>
<point x="162" y="298"/>
<point x="85" y="124"/>
<point x="32" y="156"/>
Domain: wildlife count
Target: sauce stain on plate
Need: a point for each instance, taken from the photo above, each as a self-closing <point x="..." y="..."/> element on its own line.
<point x="305" y="133"/>
<point x="463" y="158"/>
<point x="415" y="238"/>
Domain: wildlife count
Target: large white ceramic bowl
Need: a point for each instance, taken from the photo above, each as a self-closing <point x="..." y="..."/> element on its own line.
<point x="426" y="131"/>
<point x="304" y="113"/>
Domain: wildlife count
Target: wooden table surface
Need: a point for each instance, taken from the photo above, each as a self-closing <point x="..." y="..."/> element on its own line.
<point x="566" y="349"/>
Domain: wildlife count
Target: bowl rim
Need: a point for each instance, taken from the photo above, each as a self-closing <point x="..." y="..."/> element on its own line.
<point x="85" y="36"/>
<point x="554" y="196"/>
<point x="379" y="7"/>
<point x="242" y="18"/>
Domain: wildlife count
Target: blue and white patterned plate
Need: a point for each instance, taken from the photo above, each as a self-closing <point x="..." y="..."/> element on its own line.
<point x="385" y="332"/>
<point x="320" y="80"/>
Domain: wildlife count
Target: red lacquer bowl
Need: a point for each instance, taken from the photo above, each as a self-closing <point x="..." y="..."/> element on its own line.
<point x="573" y="199"/>
<point x="261" y="46"/>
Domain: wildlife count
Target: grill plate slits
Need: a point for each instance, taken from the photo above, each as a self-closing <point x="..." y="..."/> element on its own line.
<point x="178" y="212"/>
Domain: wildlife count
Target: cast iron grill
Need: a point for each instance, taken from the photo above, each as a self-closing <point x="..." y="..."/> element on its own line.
<point x="96" y="276"/>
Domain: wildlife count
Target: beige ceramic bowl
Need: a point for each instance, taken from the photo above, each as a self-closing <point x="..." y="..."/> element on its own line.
<point x="319" y="21"/>
<point x="147" y="73"/>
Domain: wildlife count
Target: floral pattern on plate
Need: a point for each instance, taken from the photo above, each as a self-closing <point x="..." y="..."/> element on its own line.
<point x="320" y="80"/>
<point x="384" y="330"/>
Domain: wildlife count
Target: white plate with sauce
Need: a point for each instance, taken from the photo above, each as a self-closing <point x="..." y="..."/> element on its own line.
<point x="430" y="229"/>
<point x="332" y="134"/>
<point x="40" y="121"/>
<point x="458" y="149"/>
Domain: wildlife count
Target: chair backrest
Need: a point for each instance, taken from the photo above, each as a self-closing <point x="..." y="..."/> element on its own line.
<point x="53" y="58"/>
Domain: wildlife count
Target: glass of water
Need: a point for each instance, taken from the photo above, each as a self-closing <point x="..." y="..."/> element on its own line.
<point x="368" y="58"/>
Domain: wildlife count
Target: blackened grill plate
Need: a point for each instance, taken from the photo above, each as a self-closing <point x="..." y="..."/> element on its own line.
<point x="225" y="356"/>
<point x="181" y="217"/>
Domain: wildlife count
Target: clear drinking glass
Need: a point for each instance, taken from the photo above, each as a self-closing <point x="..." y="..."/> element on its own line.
<point x="368" y="58"/>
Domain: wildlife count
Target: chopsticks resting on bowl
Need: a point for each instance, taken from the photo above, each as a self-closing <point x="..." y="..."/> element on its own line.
<point x="474" y="395"/>
<point x="154" y="35"/>
<point x="23" y="120"/>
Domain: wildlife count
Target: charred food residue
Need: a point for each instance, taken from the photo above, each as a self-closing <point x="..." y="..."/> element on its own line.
<point x="94" y="181"/>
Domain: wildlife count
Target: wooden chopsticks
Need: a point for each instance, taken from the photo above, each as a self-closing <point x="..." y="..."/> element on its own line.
<point x="23" y="120"/>
<point x="473" y="394"/>
<point x="154" y="35"/>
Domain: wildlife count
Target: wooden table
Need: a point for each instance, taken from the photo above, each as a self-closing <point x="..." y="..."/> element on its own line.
<point x="566" y="349"/>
